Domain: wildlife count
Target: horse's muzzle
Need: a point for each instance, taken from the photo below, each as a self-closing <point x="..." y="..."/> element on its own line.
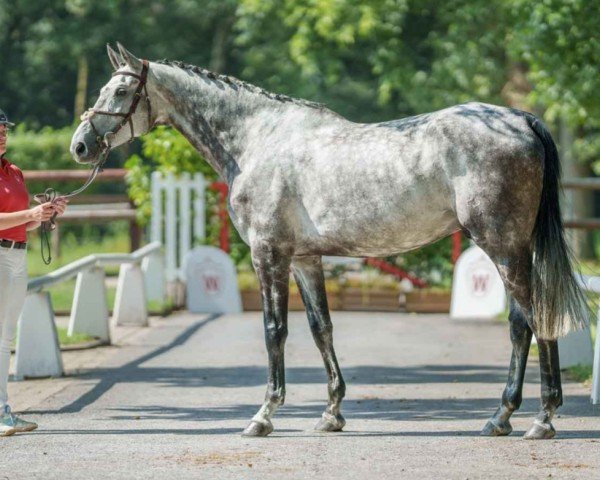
<point x="84" y="148"/>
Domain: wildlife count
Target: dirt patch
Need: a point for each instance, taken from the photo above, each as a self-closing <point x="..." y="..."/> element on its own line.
<point x="242" y="459"/>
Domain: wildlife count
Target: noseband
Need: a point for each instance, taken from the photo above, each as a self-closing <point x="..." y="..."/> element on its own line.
<point x="101" y="140"/>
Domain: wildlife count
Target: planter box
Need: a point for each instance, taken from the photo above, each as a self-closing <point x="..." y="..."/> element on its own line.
<point x="425" y="301"/>
<point x="369" y="300"/>
<point x="252" y="301"/>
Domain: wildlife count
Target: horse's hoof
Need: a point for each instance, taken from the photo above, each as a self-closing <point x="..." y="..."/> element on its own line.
<point x="258" y="429"/>
<point x="540" y="431"/>
<point x="330" y="423"/>
<point x="492" y="429"/>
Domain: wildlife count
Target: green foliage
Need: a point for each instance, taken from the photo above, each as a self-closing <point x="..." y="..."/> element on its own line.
<point x="43" y="43"/>
<point x="432" y="263"/>
<point x="559" y="43"/>
<point x="46" y="149"/>
<point x="166" y="150"/>
<point x="581" y="373"/>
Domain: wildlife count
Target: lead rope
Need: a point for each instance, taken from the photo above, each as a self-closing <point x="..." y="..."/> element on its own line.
<point x="50" y="195"/>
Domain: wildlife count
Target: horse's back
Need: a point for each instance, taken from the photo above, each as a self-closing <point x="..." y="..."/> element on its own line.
<point x="375" y="189"/>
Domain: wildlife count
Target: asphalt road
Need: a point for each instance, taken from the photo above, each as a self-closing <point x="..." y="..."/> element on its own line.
<point x="171" y="401"/>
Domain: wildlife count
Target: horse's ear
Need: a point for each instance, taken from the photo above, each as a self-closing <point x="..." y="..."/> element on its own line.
<point x="115" y="60"/>
<point x="129" y="58"/>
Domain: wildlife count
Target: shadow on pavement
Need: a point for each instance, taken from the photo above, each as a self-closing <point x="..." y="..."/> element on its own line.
<point x="408" y="410"/>
<point x="289" y="433"/>
<point x="401" y="409"/>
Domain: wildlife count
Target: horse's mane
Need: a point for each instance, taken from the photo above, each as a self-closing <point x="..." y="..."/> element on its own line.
<point x="232" y="81"/>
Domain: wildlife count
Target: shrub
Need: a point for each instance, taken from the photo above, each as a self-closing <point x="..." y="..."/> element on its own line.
<point x="47" y="149"/>
<point x="166" y="150"/>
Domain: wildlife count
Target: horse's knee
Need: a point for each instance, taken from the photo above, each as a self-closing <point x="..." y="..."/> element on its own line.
<point x="512" y="398"/>
<point x="276" y="334"/>
<point x="321" y="329"/>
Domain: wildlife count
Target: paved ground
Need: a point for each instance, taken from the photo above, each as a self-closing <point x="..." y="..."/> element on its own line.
<point x="172" y="400"/>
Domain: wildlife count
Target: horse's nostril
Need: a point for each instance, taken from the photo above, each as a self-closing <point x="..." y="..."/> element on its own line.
<point x="80" y="149"/>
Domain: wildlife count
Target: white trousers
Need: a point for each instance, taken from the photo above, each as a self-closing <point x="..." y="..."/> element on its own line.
<point x="13" y="288"/>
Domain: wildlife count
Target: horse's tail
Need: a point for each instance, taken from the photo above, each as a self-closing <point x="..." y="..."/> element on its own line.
<point x="559" y="304"/>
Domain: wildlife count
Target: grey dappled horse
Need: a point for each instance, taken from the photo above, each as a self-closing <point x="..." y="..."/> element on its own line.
<point x="305" y="182"/>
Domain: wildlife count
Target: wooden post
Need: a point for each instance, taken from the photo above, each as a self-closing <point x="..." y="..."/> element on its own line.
<point x="575" y="203"/>
<point x="135" y="236"/>
<point x="135" y="233"/>
<point x="82" y="84"/>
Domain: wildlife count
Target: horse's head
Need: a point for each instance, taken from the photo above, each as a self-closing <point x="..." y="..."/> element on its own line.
<point x="121" y="112"/>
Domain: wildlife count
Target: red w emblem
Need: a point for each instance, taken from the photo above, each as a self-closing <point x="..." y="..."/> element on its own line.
<point x="211" y="284"/>
<point x="480" y="283"/>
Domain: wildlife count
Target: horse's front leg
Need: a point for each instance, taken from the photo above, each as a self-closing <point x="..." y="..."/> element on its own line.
<point x="308" y="273"/>
<point x="273" y="270"/>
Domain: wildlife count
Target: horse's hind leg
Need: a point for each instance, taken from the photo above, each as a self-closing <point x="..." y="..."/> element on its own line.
<point x="308" y="273"/>
<point x="515" y="270"/>
<point x="520" y="335"/>
<point x="551" y="391"/>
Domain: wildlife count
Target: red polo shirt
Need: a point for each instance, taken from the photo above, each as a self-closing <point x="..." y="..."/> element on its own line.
<point x="13" y="198"/>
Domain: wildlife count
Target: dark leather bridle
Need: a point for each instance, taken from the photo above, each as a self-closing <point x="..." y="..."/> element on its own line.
<point x="50" y="194"/>
<point x="101" y="140"/>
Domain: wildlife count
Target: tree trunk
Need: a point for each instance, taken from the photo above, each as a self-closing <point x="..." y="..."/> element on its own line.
<point x="82" y="84"/>
<point x="218" y="53"/>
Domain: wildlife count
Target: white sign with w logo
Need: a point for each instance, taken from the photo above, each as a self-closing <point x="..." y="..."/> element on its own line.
<point x="211" y="281"/>
<point x="477" y="289"/>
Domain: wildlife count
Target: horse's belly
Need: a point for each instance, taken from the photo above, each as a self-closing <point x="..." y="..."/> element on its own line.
<point x="351" y="233"/>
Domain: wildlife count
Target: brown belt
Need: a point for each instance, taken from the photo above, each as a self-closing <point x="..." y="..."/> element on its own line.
<point x="13" y="244"/>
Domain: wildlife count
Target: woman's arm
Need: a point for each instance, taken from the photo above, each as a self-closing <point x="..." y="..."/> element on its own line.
<point x="59" y="206"/>
<point x="41" y="213"/>
<point x="32" y="225"/>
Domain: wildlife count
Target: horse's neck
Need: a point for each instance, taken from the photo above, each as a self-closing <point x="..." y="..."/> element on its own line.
<point x="212" y="115"/>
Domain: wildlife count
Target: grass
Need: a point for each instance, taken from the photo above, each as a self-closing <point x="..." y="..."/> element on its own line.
<point x="62" y="296"/>
<point x="77" y="338"/>
<point x="72" y="250"/>
<point x="65" y="340"/>
<point x="580" y="373"/>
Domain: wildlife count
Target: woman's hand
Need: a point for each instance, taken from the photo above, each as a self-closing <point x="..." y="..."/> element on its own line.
<point x="60" y="205"/>
<point x="42" y="212"/>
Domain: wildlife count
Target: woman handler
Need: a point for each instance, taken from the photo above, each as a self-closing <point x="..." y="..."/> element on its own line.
<point x="15" y="219"/>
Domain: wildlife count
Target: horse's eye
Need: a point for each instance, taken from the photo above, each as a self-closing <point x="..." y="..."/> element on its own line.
<point x="121" y="92"/>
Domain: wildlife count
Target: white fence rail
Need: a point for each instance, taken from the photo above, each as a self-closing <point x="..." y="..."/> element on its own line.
<point x="141" y="278"/>
<point x="177" y="217"/>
